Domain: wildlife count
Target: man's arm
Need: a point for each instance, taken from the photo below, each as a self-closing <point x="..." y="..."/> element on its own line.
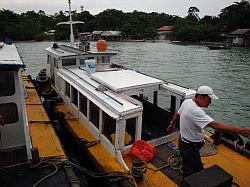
<point x="172" y="125"/>
<point x="229" y="128"/>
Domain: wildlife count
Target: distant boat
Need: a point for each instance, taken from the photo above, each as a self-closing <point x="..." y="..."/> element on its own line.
<point x="1" y="44"/>
<point x="217" y="47"/>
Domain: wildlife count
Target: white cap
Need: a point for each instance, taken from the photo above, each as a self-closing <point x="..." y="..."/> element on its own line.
<point x="206" y="90"/>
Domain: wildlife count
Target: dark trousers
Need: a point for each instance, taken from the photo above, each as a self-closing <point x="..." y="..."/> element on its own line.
<point x="191" y="158"/>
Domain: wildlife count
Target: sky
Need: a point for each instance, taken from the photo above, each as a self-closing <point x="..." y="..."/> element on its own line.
<point x="172" y="7"/>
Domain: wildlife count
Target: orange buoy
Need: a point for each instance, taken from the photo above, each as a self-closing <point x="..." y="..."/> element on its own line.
<point x="101" y="45"/>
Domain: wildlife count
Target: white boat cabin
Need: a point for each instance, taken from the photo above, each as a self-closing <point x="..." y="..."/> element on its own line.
<point x="119" y="105"/>
<point x="14" y="137"/>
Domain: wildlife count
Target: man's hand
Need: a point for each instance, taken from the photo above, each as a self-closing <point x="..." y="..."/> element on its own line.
<point x="171" y="128"/>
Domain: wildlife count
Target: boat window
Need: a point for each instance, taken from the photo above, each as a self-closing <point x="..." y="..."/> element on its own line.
<point x="68" y="62"/>
<point x="9" y="112"/>
<point x="7" y="83"/>
<point x="130" y="131"/>
<point x="49" y="59"/>
<point x="74" y="96"/>
<point x="94" y="114"/>
<point x="164" y="100"/>
<point x="55" y="63"/>
<point x="83" y="104"/>
<point x="82" y="61"/>
<point x="103" y="59"/>
<point x="108" y="127"/>
<point x="98" y="59"/>
<point x="67" y="89"/>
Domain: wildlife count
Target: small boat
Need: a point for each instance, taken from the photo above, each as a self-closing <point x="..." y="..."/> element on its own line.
<point x="1" y="44"/>
<point x="217" y="47"/>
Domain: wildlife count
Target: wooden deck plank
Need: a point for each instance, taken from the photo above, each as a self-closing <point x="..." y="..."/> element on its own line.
<point x="28" y="84"/>
<point x="42" y="135"/>
<point x="45" y="139"/>
<point x="234" y="163"/>
<point x="36" y="113"/>
<point x="33" y="97"/>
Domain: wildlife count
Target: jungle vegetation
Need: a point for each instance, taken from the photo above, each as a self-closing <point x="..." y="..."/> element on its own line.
<point x="134" y="25"/>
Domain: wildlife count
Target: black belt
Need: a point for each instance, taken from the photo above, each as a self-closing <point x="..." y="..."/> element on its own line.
<point x="192" y="143"/>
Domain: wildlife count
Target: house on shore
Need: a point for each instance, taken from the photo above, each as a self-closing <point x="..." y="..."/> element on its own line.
<point x="49" y="35"/>
<point x="96" y="35"/>
<point x="164" y="33"/>
<point x="240" y="37"/>
<point x="107" y="35"/>
<point x="111" y="35"/>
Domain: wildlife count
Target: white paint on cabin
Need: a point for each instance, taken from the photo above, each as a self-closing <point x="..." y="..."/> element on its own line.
<point x="10" y="56"/>
<point x="123" y="80"/>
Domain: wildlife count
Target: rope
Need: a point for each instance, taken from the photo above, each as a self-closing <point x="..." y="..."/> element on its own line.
<point x="113" y="176"/>
<point x="172" y="162"/>
<point x="47" y="176"/>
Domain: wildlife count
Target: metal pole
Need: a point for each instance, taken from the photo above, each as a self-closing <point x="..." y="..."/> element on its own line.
<point x="71" y="26"/>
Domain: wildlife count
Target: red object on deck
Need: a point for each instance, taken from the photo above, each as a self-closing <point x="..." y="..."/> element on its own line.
<point x="142" y="150"/>
<point x="101" y="45"/>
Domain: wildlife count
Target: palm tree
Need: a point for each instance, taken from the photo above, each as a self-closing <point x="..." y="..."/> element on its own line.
<point x="192" y="12"/>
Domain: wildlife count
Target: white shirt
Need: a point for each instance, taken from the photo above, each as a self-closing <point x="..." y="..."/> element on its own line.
<point x="193" y="119"/>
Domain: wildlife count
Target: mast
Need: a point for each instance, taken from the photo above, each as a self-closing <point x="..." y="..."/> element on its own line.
<point x="72" y="41"/>
<point x="71" y="22"/>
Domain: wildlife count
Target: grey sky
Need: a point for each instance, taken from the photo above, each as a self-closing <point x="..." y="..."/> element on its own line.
<point x="172" y="7"/>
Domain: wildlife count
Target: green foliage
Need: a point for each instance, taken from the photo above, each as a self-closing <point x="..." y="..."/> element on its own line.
<point x="134" y="25"/>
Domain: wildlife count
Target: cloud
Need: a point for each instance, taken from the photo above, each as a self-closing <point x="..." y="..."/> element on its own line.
<point x="172" y="7"/>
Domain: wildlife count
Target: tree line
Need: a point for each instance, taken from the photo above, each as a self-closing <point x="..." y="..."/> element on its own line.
<point x="134" y="25"/>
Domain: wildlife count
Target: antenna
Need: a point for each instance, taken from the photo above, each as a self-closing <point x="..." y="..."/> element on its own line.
<point x="72" y="40"/>
<point x="81" y="8"/>
<point x="70" y="22"/>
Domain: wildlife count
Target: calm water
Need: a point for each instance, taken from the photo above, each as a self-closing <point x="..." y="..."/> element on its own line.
<point x="226" y="71"/>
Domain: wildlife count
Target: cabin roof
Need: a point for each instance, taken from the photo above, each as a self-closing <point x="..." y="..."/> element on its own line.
<point x="9" y="57"/>
<point x="65" y="51"/>
<point x="123" y="80"/>
<point x="118" y="103"/>
<point x="61" y="52"/>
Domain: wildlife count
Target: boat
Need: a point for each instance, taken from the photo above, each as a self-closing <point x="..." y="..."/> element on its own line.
<point x="31" y="153"/>
<point x="119" y="117"/>
<point x="217" y="47"/>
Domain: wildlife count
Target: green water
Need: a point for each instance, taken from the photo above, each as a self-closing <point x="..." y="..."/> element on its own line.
<point x="226" y="71"/>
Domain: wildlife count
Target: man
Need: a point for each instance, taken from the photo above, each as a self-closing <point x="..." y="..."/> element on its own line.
<point x="193" y="120"/>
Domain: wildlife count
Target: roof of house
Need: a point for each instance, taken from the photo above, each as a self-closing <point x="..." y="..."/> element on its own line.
<point x="111" y="33"/>
<point x="97" y="32"/>
<point x="166" y="28"/>
<point x="240" y="32"/>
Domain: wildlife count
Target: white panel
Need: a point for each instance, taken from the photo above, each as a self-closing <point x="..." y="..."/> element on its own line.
<point x="124" y="80"/>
